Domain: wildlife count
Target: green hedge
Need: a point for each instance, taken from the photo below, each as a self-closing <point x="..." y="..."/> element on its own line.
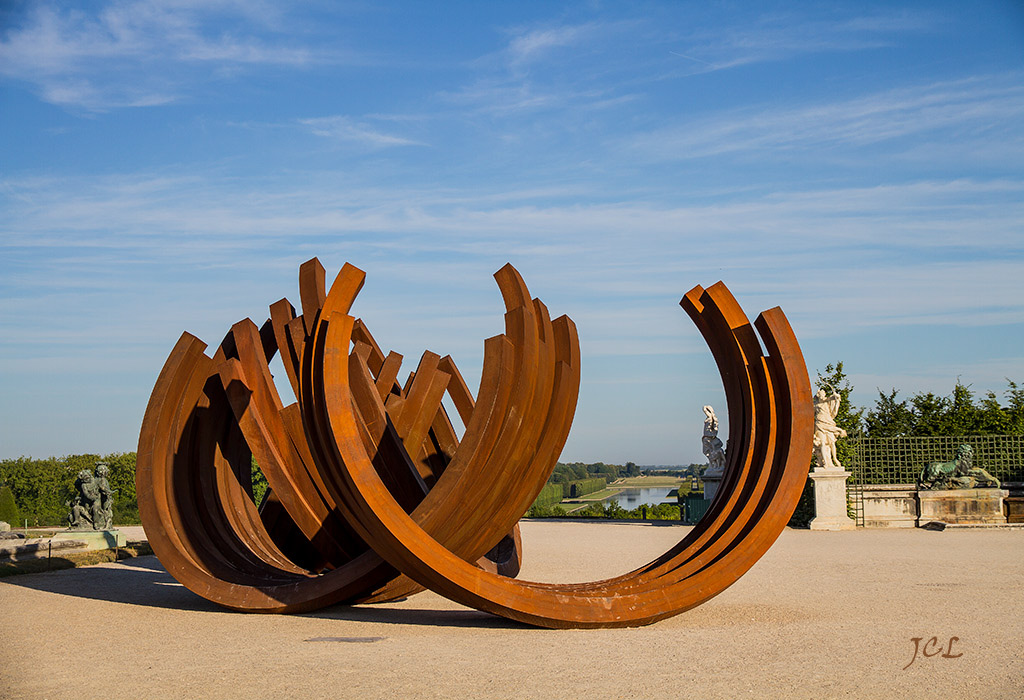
<point x="42" y="487"/>
<point x="549" y="496"/>
<point x="580" y="488"/>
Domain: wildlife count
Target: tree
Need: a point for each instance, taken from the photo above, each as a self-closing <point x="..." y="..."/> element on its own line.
<point x="890" y="418"/>
<point x="962" y="417"/>
<point x="122" y="478"/>
<point x="1015" y="408"/>
<point x="929" y="413"/>
<point x="8" y="508"/>
<point x="926" y="414"/>
<point x="993" y="419"/>
<point x="259" y="482"/>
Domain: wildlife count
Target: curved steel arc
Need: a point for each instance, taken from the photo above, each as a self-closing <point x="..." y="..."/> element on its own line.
<point x="713" y="559"/>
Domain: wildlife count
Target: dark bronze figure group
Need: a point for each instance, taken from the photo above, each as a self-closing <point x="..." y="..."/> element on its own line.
<point x="92" y="505"/>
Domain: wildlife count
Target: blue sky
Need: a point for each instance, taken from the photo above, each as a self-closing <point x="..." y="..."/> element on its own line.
<point x="166" y="166"/>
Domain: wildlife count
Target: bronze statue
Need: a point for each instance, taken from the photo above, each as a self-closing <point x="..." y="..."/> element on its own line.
<point x="92" y="507"/>
<point x="958" y="474"/>
<point x="103" y="519"/>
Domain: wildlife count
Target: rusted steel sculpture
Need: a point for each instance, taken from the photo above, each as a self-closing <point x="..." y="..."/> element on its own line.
<point x="369" y="482"/>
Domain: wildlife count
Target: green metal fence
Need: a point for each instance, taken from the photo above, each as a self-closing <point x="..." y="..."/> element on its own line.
<point x="692" y="508"/>
<point x="855" y="503"/>
<point x="899" y="460"/>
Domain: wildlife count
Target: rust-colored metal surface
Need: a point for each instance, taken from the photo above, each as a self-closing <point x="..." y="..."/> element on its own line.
<point x="373" y="495"/>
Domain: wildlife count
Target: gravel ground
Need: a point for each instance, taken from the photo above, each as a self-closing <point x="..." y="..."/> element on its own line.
<point x="822" y="615"/>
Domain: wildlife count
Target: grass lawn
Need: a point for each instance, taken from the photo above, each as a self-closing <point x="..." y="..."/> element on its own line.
<point x="647" y="482"/>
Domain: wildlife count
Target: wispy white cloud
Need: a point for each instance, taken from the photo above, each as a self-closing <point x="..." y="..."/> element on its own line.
<point x="83" y="93"/>
<point x="779" y="36"/>
<point x="530" y="45"/>
<point x="980" y="104"/>
<point x="120" y="265"/>
<point x="139" y="52"/>
<point x="343" y="128"/>
<point x="895" y="242"/>
<point x="540" y="68"/>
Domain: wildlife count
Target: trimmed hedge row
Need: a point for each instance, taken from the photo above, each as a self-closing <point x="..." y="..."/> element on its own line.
<point x="581" y="487"/>
<point x="549" y="496"/>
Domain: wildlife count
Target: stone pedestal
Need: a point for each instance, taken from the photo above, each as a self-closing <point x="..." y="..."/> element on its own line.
<point x="1014" y="509"/>
<point x="711" y="484"/>
<point x="94" y="539"/>
<point x="963" y="506"/>
<point x="890" y="505"/>
<point x="830" y="500"/>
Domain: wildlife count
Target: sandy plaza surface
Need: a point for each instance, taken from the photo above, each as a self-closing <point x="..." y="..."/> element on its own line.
<point x="822" y="615"/>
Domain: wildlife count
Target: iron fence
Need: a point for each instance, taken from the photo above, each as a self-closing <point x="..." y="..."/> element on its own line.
<point x="899" y="460"/>
<point x="855" y="503"/>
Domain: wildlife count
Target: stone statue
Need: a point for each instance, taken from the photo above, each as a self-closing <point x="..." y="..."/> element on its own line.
<point x="711" y="446"/>
<point x="826" y="432"/>
<point x="958" y="474"/>
<point x="92" y="506"/>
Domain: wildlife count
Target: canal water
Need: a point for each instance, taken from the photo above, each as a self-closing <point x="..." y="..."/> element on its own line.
<point x="634" y="498"/>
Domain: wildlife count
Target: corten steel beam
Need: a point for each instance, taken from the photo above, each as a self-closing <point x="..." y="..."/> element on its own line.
<point x="368" y="478"/>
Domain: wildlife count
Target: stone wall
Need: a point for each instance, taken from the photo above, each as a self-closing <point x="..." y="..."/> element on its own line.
<point x="901" y="506"/>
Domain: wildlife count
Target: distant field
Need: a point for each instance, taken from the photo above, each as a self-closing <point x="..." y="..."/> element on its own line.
<point x="599" y="495"/>
<point x="642" y="482"/>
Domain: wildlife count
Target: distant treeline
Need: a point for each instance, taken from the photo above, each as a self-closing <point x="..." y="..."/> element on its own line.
<point x="42" y="488"/>
<point x="926" y="414"/>
<point x="678" y="472"/>
<point x="609" y="510"/>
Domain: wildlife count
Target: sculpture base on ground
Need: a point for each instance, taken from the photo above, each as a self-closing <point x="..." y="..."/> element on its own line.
<point x="830" y="500"/>
<point x="890" y="505"/>
<point x="1014" y="508"/>
<point x="963" y="506"/>
<point x="711" y="484"/>
<point x="94" y="539"/>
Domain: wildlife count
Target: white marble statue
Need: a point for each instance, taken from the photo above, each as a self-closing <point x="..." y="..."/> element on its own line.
<point x="711" y="446"/>
<point x="826" y="432"/>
